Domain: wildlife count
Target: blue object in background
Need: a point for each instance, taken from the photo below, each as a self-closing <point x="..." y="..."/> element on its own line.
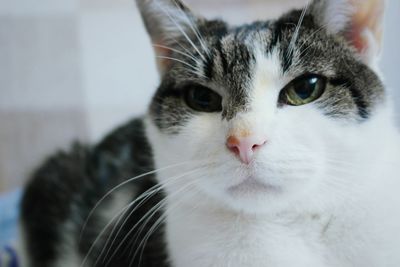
<point x="8" y="258"/>
<point x="9" y="212"/>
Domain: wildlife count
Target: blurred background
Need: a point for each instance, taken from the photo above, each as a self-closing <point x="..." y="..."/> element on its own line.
<point x="74" y="69"/>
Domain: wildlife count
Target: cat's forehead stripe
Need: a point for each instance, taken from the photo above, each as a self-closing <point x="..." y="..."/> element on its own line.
<point x="236" y="61"/>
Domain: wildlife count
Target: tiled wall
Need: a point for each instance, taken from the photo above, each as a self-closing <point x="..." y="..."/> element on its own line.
<point x="41" y="93"/>
<point x="76" y="68"/>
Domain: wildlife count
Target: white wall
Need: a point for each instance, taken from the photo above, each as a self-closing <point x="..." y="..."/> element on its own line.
<point x="119" y="75"/>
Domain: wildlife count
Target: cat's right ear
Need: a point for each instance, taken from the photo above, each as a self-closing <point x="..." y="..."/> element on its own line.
<point x="171" y="25"/>
<point x="359" y="22"/>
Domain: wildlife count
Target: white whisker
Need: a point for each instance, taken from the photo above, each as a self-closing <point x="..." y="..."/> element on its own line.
<point x="180" y="29"/>
<point x="296" y="32"/>
<point x="178" y="60"/>
<point x="196" y="31"/>
<point x="145" y="197"/>
<point x="125" y="183"/>
<point x="177" y="51"/>
<point x="102" y="233"/>
<point x="154" y="227"/>
<point x="151" y="212"/>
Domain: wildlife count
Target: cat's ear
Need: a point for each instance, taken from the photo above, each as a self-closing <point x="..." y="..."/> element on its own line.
<point x="170" y="24"/>
<point x="360" y="22"/>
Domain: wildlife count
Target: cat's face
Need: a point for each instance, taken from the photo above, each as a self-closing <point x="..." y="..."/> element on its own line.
<point x="271" y="109"/>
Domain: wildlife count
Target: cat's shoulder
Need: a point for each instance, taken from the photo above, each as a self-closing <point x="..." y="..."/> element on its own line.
<point x="67" y="185"/>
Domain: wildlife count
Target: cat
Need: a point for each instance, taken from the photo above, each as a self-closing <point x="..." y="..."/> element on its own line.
<point x="270" y="144"/>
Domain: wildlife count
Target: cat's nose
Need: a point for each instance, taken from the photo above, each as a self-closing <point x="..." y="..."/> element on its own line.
<point x="244" y="147"/>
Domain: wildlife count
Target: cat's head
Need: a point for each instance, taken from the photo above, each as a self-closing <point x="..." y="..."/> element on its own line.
<point x="278" y="110"/>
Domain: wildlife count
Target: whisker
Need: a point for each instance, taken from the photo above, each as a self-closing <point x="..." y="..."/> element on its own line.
<point x="178" y="60"/>
<point x="180" y="29"/>
<point x="101" y="234"/>
<point x="177" y="51"/>
<point x="312" y="35"/>
<point x="297" y="30"/>
<point x="195" y="29"/>
<point x="172" y="40"/>
<point x="125" y="183"/>
<point x="157" y="223"/>
<point x="151" y="212"/>
<point x="145" y="197"/>
<point x="198" y="74"/>
<point x="318" y="30"/>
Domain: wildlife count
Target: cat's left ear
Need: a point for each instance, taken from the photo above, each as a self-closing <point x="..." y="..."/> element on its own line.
<point x="171" y="26"/>
<point x="360" y="22"/>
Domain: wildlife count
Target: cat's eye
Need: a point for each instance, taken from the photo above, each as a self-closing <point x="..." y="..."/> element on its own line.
<point x="303" y="90"/>
<point x="202" y="99"/>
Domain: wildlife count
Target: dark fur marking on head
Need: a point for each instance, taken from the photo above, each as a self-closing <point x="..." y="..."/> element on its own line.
<point x="356" y="94"/>
<point x="232" y="60"/>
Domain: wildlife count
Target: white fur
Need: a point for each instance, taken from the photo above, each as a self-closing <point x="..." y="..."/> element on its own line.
<point x="331" y="196"/>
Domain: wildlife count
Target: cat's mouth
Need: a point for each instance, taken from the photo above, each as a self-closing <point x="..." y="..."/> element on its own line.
<point x="252" y="185"/>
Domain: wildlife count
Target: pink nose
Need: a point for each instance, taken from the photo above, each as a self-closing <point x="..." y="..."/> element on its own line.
<point x="244" y="147"/>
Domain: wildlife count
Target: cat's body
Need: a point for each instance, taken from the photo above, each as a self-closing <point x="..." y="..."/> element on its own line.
<point x="273" y="144"/>
<point x="66" y="189"/>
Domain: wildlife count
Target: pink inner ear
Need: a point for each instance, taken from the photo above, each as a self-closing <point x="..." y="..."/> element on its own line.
<point x="162" y="52"/>
<point x="356" y="37"/>
<point x="368" y="16"/>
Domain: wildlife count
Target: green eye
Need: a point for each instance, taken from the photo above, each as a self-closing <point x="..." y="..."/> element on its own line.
<point x="202" y="99"/>
<point x="303" y="90"/>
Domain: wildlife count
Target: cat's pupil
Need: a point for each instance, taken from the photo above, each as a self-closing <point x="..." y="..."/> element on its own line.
<point x="305" y="88"/>
<point x="202" y="97"/>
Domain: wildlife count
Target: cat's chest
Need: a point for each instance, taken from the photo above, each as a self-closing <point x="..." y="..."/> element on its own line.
<point x="205" y="242"/>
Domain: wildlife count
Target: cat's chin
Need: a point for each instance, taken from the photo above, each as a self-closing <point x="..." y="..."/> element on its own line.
<point x="258" y="203"/>
<point x="254" y="196"/>
<point x="251" y="186"/>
